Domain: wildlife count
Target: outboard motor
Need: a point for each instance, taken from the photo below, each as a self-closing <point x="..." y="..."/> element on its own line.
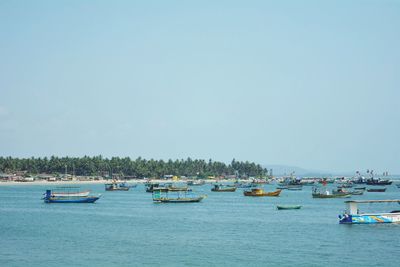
<point x="346" y="218"/>
<point x="48" y="194"/>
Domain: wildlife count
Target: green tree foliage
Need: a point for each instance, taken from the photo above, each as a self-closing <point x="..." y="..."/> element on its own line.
<point x="139" y="167"/>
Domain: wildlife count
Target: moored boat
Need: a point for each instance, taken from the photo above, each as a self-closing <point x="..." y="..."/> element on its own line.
<point x="196" y="182"/>
<point x="378" y="182"/>
<point x="260" y="181"/>
<point x="114" y="186"/>
<point x="223" y="188"/>
<point x="288" y="207"/>
<point x="160" y="196"/>
<point x="360" y="181"/>
<point x="178" y="200"/>
<point x="258" y="192"/>
<point x="282" y="187"/>
<point x="327" y="194"/>
<point x="245" y="185"/>
<point x="51" y="198"/>
<point x="376" y="190"/>
<point x="336" y="195"/>
<point x="290" y="187"/>
<point x="352" y="192"/>
<point x="353" y="216"/>
<point x="151" y="187"/>
<point x="294" y="187"/>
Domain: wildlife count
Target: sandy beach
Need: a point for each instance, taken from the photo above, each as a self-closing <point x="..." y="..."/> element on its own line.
<point x="8" y="183"/>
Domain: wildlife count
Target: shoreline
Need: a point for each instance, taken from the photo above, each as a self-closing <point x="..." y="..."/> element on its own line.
<point x="9" y="183"/>
<point x="133" y="181"/>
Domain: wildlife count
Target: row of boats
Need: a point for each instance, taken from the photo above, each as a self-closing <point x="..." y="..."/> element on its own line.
<point x="68" y="195"/>
<point x="175" y="194"/>
<point x="352" y="214"/>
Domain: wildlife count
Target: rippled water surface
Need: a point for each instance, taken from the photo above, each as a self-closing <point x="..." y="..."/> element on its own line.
<point x="226" y="229"/>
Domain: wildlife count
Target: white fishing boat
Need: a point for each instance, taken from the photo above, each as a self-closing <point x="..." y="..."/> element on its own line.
<point x="352" y="214"/>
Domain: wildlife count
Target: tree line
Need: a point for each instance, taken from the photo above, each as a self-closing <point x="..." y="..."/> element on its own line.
<point x="139" y="168"/>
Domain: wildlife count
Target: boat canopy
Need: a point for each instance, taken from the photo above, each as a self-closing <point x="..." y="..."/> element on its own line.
<point x="352" y="204"/>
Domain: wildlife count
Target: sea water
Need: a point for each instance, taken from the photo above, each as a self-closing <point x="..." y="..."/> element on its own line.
<point x="225" y="229"/>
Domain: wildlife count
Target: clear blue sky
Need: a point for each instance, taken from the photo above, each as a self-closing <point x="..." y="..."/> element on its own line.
<point x="314" y="84"/>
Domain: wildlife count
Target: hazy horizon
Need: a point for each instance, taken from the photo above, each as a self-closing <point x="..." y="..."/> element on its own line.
<point x="306" y="84"/>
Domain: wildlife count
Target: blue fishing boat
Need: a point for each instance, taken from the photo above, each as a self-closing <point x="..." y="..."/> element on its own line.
<point x="352" y="214"/>
<point x="52" y="197"/>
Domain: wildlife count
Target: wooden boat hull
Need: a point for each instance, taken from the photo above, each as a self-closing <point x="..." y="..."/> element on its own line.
<point x="359" y="188"/>
<point x="376" y="190"/>
<point x="262" y="193"/>
<point x="71" y="200"/>
<point x="118" y="189"/>
<point x="178" y="200"/>
<point x="230" y="189"/>
<point x="288" y="207"/>
<point x="317" y="195"/>
<point x="50" y="198"/>
<point x="375" y="182"/>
